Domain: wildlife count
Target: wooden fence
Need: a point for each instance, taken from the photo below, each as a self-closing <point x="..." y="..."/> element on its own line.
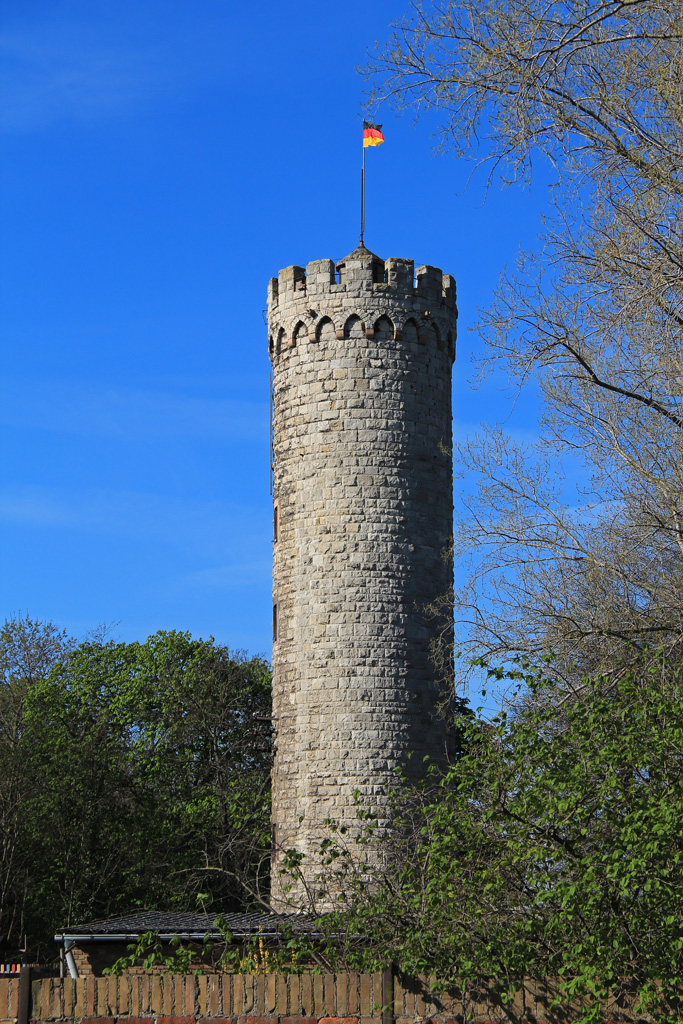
<point x="347" y="998"/>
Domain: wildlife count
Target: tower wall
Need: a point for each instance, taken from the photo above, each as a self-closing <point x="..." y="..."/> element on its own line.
<point x="363" y="511"/>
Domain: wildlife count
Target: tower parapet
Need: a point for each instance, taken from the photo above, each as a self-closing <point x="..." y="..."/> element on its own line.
<point x="364" y="285"/>
<point x="362" y="356"/>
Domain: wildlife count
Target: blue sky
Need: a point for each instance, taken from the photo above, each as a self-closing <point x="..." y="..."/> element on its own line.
<point x="160" y="162"/>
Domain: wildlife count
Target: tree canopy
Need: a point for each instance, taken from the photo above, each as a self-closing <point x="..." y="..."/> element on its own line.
<point x="593" y="319"/>
<point x="551" y="850"/>
<point x="132" y="776"/>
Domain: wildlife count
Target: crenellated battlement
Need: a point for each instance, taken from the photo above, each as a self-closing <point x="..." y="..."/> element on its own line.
<point x="362" y="272"/>
<point x="361" y="285"/>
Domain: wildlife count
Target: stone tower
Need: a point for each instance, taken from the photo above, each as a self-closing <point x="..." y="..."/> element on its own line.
<point x="363" y="506"/>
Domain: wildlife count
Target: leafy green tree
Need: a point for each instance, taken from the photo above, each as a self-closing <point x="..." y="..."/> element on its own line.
<point x="552" y="849"/>
<point x="28" y="650"/>
<point x="145" y="774"/>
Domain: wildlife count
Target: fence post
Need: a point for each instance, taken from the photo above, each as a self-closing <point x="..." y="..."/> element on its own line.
<point x="388" y="993"/>
<point x="24" y="1002"/>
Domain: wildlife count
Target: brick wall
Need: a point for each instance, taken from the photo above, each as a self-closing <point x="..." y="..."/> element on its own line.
<point x="264" y="999"/>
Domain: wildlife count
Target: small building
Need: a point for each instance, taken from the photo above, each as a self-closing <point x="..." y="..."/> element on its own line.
<point x="89" y="949"/>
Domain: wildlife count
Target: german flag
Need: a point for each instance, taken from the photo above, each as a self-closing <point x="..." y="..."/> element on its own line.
<point x="372" y="134"/>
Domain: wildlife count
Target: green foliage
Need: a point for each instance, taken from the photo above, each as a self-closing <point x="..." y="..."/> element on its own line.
<point x="143" y="772"/>
<point x="150" y="954"/>
<point x="553" y="848"/>
<point x="287" y="954"/>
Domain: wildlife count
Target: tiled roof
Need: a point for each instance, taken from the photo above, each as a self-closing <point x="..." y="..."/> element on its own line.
<point x="187" y="924"/>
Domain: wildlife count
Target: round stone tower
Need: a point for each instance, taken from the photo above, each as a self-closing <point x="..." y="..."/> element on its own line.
<point x="363" y="507"/>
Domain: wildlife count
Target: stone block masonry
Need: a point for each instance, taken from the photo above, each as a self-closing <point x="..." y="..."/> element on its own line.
<point x="362" y="358"/>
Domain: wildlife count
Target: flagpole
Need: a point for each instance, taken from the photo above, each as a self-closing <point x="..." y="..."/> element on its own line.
<point x="372" y="135"/>
<point x="362" y="197"/>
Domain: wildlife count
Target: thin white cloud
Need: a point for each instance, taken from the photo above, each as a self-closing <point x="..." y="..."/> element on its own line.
<point x="68" y="72"/>
<point x="88" y="62"/>
<point x="128" y="413"/>
<point x="204" y="529"/>
<point x="236" y="575"/>
<point x="464" y="429"/>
